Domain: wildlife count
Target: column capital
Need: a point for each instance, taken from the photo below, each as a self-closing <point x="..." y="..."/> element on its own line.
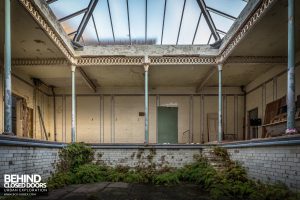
<point x="220" y="66"/>
<point x="146" y="62"/>
<point x="73" y="68"/>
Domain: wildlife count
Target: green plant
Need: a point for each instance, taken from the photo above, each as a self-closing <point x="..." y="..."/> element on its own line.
<point x="168" y="178"/>
<point x="74" y="155"/>
<point x="222" y="153"/>
<point x="90" y="173"/>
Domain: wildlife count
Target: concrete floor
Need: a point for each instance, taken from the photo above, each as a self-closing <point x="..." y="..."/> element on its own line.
<point x="114" y="191"/>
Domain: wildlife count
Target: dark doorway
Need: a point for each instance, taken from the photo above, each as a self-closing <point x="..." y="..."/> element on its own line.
<point x="252" y="127"/>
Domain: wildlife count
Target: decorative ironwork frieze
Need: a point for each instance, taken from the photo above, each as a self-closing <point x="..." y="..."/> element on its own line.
<point x="257" y="60"/>
<point x="265" y="5"/>
<point x="46" y="61"/>
<point x="182" y="60"/>
<point x="110" y="60"/>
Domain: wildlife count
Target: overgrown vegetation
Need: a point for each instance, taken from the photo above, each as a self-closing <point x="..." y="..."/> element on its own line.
<point x="76" y="167"/>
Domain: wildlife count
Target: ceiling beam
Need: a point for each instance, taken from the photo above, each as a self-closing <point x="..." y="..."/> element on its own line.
<point x="72" y="15"/>
<point x="205" y="78"/>
<point x="88" y="81"/>
<point x="208" y="19"/>
<point x="85" y="20"/>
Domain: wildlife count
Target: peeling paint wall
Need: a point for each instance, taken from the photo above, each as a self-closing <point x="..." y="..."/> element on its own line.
<point x="116" y="119"/>
<point x="22" y="86"/>
<point x="266" y="88"/>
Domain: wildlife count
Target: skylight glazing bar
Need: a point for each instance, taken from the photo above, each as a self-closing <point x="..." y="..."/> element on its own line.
<point x="112" y="27"/>
<point x="197" y="28"/>
<point x="85" y="19"/>
<point x="208" y="19"/>
<point x="182" y="13"/>
<point x="95" y="29"/>
<point x="72" y="15"/>
<point x="221" y="13"/>
<point x="146" y="16"/>
<point x="209" y="39"/>
<point x="163" y="25"/>
<point x="128" y="19"/>
<point x="220" y="31"/>
<point x="50" y="1"/>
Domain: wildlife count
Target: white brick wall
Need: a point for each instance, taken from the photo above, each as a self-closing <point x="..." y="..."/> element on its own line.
<point x="142" y="157"/>
<point x="27" y="160"/>
<point x="271" y="164"/>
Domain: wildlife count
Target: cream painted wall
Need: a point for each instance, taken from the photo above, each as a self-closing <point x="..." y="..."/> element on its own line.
<point x="115" y="118"/>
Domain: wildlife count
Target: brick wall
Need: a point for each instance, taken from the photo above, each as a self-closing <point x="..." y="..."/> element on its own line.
<point x="143" y="157"/>
<point x="27" y="160"/>
<point x="271" y="163"/>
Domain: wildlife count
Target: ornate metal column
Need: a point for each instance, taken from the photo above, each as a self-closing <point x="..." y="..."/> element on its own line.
<point x="220" y="117"/>
<point x="7" y="72"/>
<point x="73" y="126"/>
<point x="146" y="68"/>
<point x="291" y="108"/>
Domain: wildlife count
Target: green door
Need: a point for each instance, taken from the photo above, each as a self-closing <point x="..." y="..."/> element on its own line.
<point x="167" y="123"/>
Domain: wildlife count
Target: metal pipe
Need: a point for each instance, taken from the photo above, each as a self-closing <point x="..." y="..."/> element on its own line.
<point x="7" y="72"/>
<point x="220" y="117"/>
<point x="291" y="108"/>
<point x="73" y="128"/>
<point x="146" y="68"/>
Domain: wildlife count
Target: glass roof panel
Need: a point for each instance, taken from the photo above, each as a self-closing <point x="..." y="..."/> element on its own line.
<point x="72" y="24"/>
<point x="102" y="21"/>
<point x="221" y="23"/>
<point x="137" y="17"/>
<point x="119" y="20"/>
<point x="172" y="21"/>
<point x="155" y="20"/>
<point x="189" y="22"/>
<point x="89" y="34"/>
<point x="110" y="24"/>
<point x="203" y="33"/>
<point x="231" y="7"/>
<point x="63" y="8"/>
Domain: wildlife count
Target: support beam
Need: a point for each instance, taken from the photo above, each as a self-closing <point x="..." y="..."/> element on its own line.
<point x="85" y="20"/>
<point x="208" y="19"/>
<point x="206" y="78"/>
<point x="7" y="72"/>
<point x="291" y="108"/>
<point x="73" y="123"/>
<point x="220" y="117"/>
<point x="146" y="68"/>
<point x="88" y="81"/>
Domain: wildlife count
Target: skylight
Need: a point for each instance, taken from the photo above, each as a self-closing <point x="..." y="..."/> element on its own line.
<point x="158" y="22"/>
